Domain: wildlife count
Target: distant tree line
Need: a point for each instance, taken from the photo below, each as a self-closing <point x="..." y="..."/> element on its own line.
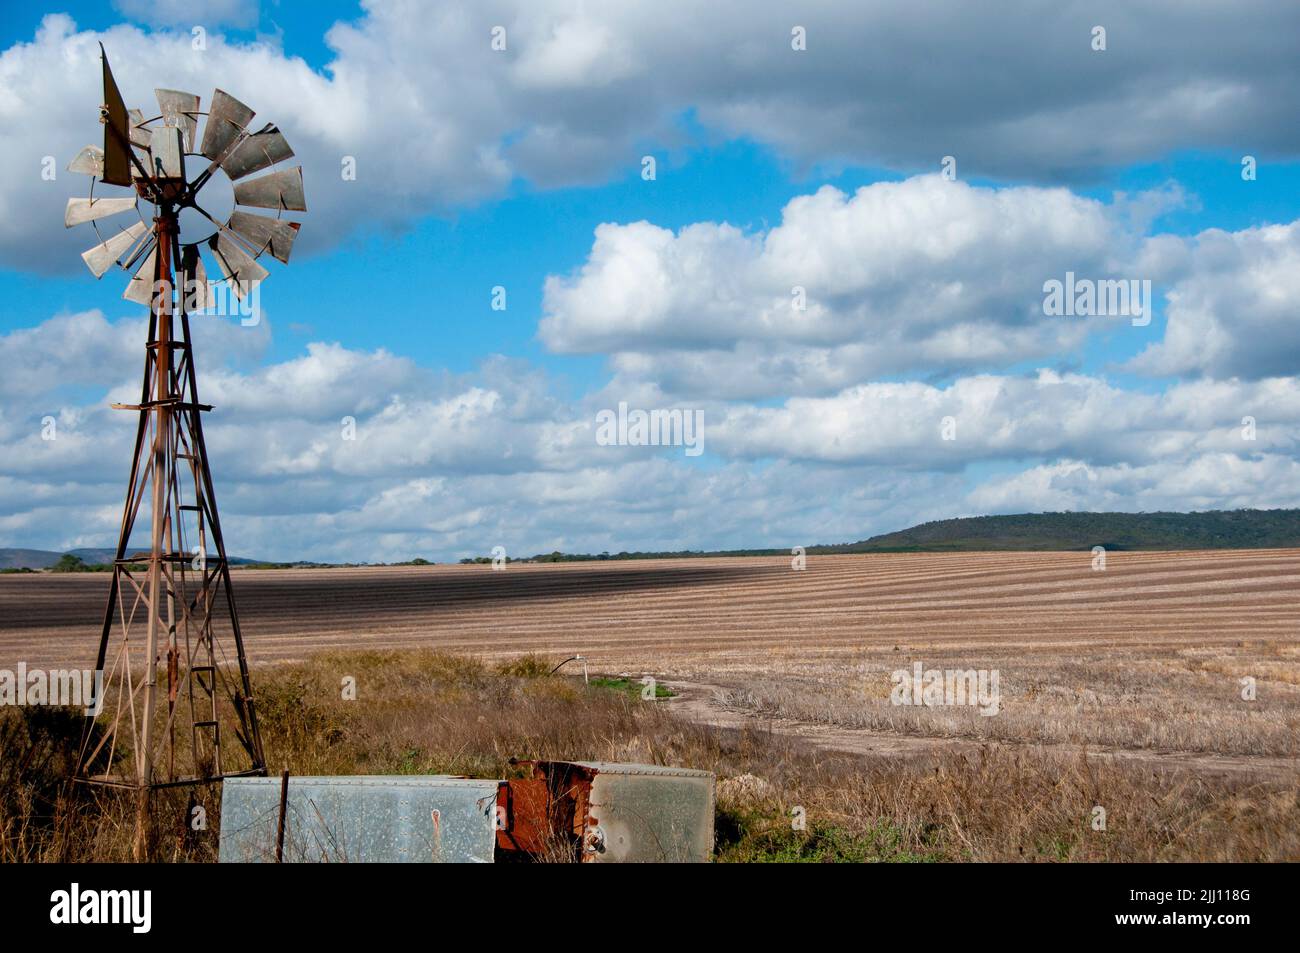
<point x="1213" y="529"/>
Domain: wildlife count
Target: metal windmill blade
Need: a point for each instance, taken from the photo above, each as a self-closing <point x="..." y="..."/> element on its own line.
<point x="227" y="120"/>
<point x="80" y="211"/>
<point x="139" y="134"/>
<point x="111" y="165"/>
<point x="238" y="266"/>
<point x="180" y="109"/>
<point x="140" y="287"/>
<point x="263" y="233"/>
<point x="116" y="154"/>
<point x="89" y="161"/>
<point x="278" y="190"/>
<point x="255" y="152"/>
<point x="246" y="236"/>
<point x="195" y="286"/>
<point x="108" y="253"/>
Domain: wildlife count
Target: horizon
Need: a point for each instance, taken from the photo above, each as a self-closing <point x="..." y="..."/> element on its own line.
<point x="741" y="550"/>
<point x="850" y="296"/>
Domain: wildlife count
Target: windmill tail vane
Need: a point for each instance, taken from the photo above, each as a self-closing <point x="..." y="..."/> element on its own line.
<point x="175" y="675"/>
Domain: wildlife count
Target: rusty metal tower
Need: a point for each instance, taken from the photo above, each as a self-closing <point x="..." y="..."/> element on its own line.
<point x="175" y="675"/>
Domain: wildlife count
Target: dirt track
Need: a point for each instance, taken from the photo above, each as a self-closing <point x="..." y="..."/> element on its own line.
<point x="714" y="614"/>
<point x="704" y="704"/>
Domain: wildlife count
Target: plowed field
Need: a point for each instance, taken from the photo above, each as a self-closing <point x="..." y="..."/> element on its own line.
<point x="732" y="613"/>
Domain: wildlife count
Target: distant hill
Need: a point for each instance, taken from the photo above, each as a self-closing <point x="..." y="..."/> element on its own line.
<point x="1214" y="529"/>
<point x="28" y="558"/>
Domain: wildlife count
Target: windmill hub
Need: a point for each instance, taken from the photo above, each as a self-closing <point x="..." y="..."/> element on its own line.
<point x="196" y="214"/>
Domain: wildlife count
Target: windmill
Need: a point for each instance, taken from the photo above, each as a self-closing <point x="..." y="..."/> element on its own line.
<point x="175" y="676"/>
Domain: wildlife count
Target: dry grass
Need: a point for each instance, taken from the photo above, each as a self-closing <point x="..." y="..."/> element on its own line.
<point x="1001" y="805"/>
<point x="425" y="712"/>
<point x="1124" y="697"/>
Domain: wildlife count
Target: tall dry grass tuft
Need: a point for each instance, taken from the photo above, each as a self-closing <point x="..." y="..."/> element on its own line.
<point x="1008" y="805"/>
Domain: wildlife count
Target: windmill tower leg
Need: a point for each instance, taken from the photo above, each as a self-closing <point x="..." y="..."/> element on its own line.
<point x="156" y="592"/>
<point x="180" y="600"/>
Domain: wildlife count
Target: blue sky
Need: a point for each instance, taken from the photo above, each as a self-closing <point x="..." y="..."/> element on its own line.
<point x="481" y="168"/>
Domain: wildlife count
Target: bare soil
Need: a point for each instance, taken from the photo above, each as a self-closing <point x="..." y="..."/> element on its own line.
<point x="1143" y="660"/>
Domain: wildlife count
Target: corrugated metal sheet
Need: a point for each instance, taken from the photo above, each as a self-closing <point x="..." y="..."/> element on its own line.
<point x="646" y="813"/>
<point x="360" y="819"/>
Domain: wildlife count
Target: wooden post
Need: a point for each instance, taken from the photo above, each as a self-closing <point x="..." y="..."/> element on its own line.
<point x="279" y="827"/>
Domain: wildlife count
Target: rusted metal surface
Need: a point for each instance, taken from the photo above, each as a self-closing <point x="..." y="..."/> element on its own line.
<point x="525" y="827"/>
<point x="606" y="812"/>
